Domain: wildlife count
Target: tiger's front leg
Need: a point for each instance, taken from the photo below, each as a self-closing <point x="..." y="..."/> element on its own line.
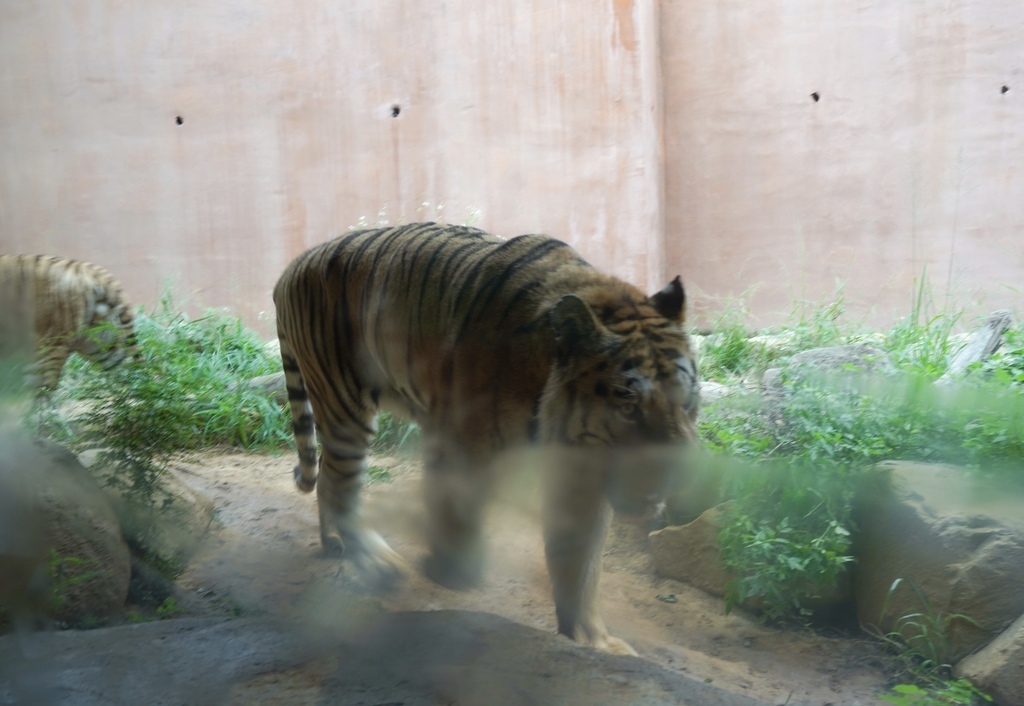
<point x="457" y="492"/>
<point x="576" y="520"/>
<point x="342" y="528"/>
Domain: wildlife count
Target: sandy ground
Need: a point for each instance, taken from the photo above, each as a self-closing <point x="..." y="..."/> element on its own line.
<point x="263" y="556"/>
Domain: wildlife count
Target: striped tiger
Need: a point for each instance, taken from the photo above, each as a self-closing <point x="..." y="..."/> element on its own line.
<point x="74" y="307"/>
<point x="487" y="344"/>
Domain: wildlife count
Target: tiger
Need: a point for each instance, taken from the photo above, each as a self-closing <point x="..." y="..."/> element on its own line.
<point x="73" y="306"/>
<point x="488" y="345"/>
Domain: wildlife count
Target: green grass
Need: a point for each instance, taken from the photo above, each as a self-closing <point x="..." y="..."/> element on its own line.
<point x="794" y="470"/>
<point x="919" y="647"/>
<point x="190" y="391"/>
<point x="395" y="435"/>
<point x="789" y="528"/>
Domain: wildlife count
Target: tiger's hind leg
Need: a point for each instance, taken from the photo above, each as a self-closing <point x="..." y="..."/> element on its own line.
<point x="457" y="492"/>
<point x="343" y="530"/>
<point x="345" y="432"/>
<point x="303" y="426"/>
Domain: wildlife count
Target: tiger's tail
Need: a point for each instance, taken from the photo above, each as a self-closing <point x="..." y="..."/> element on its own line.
<point x="303" y="425"/>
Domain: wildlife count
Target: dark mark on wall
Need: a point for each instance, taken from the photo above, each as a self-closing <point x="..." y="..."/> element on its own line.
<point x="395" y="110"/>
<point x="179" y="120"/>
<point x="1004" y="89"/>
<point x="815" y="96"/>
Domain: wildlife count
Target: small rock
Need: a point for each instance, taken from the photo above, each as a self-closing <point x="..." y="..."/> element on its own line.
<point x="998" y="668"/>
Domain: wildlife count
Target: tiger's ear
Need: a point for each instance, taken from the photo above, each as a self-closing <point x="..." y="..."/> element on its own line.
<point x="671" y="301"/>
<point x="576" y="328"/>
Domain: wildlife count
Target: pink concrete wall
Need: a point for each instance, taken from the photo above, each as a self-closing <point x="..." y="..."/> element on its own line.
<point x="660" y="137"/>
<point x="521" y="116"/>
<point x="912" y="157"/>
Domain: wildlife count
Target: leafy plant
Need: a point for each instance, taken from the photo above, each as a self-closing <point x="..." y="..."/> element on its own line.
<point x="956" y="692"/>
<point x="786" y="539"/>
<point x="190" y="390"/>
<point x="168" y="609"/>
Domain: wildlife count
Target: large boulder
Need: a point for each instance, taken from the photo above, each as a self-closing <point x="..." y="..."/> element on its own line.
<point x="690" y="552"/>
<point x="169" y="526"/>
<point x="23" y="567"/>
<point x="89" y="560"/>
<point x="417" y="659"/>
<point x="998" y="668"/>
<point x="956" y="542"/>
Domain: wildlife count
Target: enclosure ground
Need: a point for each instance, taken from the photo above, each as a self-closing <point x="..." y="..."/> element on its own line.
<point x="263" y="557"/>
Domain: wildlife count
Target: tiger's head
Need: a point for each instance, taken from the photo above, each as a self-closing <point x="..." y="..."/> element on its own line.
<point x="624" y="380"/>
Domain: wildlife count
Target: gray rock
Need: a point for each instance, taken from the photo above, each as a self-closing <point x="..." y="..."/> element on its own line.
<point x="92" y="562"/>
<point x="711" y="392"/>
<point x="998" y="668"/>
<point x="959" y="540"/>
<point x="856" y="357"/>
<point x="272" y="385"/>
<point x="838" y="364"/>
<point x="416" y="659"/>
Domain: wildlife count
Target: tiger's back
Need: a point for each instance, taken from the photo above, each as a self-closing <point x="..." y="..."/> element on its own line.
<point x="426" y="322"/>
<point x="68" y="299"/>
<point x="485" y="343"/>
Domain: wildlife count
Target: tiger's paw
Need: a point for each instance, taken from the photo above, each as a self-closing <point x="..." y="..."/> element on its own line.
<point x="305" y="485"/>
<point x="332" y="544"/>
<point x="377" y="566"/>
<point x="614" y="646"/>
<point x="456" y="573"/>
<point x="380" y="567"/>
<point x="597" y="637"/>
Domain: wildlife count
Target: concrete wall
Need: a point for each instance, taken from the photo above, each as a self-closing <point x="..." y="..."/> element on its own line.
<point x="665" y="137"/>
<point x="912" y="157"/>
<point x="520" y="116"/>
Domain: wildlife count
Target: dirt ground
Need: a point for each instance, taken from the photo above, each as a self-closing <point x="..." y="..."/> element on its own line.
<point x="263" y="556"/>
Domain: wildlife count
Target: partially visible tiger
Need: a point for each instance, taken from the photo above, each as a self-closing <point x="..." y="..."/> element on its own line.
<point x="486" y="344"/>
<point x="75" y="306"/>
